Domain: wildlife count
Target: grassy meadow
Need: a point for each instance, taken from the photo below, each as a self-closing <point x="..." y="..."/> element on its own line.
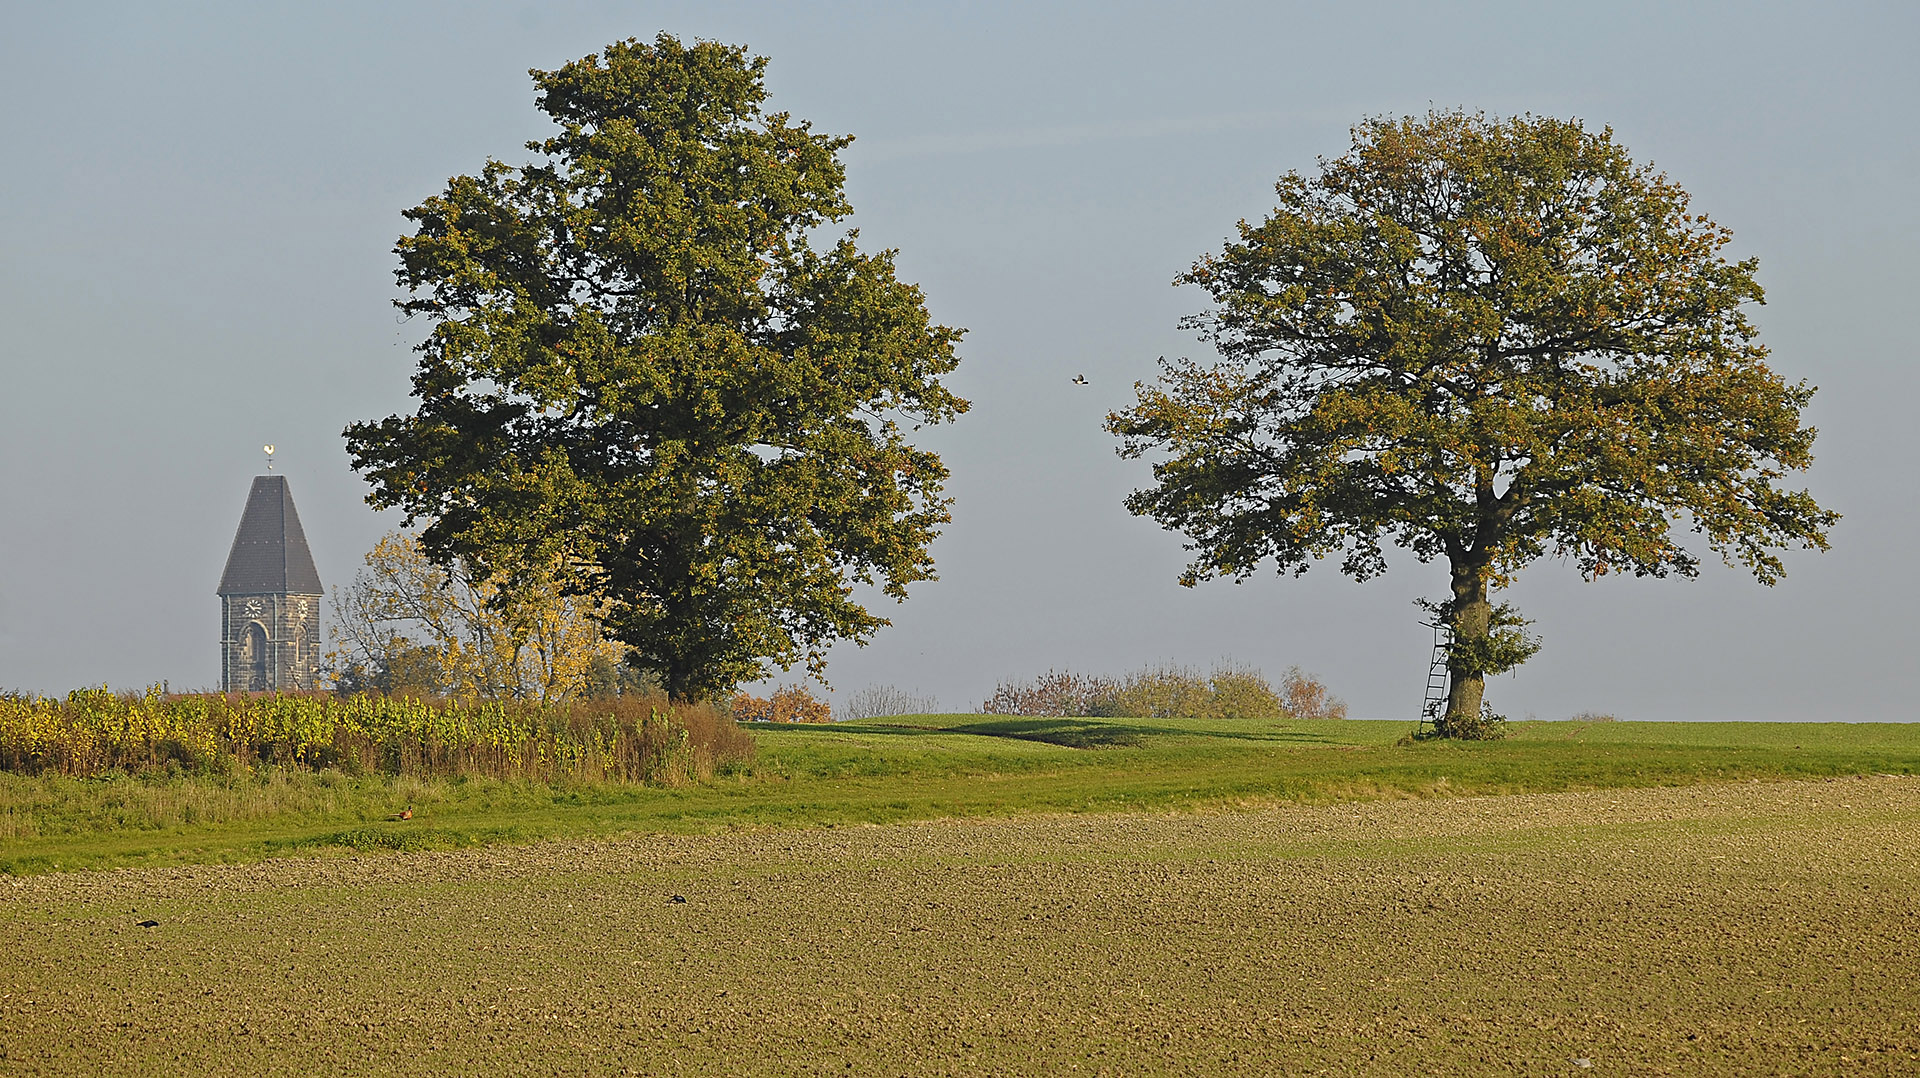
<point x="900" y="769"/>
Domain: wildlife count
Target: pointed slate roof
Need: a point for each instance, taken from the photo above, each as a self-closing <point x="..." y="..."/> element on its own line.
<point x="270" y="555"/>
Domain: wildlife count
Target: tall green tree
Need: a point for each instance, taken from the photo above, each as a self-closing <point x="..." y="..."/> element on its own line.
<point x="1485" y="340"/>
<point x="650" y="364"/>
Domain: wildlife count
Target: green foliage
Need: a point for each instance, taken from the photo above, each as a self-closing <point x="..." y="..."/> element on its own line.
<point x="641" y="369"/>
<point x="1485" y="340"/>
<point x="93" y="732"/>
<point x="1505" y="645"/>
<point x="606" y="678"/>
<point x="1486" y="726"/>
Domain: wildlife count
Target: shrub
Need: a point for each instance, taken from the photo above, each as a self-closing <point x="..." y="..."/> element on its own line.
<point x="879" y="701"/>
<point x="1242" y="692"/>
<point x="1490" y="726"/>
<point x="1052" y="693"/>
<point x="1304" y="697"/>
<point x="790" y="703"/>
<point x="1164" y="692"/>
<point x="1232" y="691"/>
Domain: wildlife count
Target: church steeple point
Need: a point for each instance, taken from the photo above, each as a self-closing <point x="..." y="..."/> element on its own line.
<point x="269" y="597"/>
<point x="270" y="552"/>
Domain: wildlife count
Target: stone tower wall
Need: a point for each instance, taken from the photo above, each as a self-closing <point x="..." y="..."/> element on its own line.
<point x="290" y="627"/>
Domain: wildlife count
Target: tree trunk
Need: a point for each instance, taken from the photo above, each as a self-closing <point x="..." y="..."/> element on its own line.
<point x="1470" y="617"/>
<point x="675" y="679"/>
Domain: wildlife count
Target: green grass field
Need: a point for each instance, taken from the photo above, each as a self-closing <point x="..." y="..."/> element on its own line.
<point x="911" y="768"/>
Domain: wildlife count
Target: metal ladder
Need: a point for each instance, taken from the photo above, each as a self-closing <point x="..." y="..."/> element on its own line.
<point x="1438" y="677"/>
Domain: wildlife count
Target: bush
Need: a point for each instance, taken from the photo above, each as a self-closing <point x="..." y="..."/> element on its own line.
<point x="749" y="708"/>
<point x="1242" y="692"/>
<point x="880" y="701"/>
<point x="790" y="703"/>
<point x="1165" y="692"/>
<point x="1232" y="691"/>
<point x="1304" y="697"/>
<point x="1490" y="726"/>
<point x="639" y="739"/>
<point x="1052" y="693"/>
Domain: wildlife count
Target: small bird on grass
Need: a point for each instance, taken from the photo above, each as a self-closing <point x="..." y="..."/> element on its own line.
<point x="403" y="814"/>
<point x="149" y="924"/>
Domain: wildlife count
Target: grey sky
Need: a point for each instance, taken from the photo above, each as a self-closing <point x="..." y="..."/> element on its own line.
<point x="199" y="204"/>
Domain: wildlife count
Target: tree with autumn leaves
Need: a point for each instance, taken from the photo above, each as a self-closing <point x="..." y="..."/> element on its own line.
<point x="406" y="625"/>
<point x="1484" y="340"/>
<point x="651" y="372"/>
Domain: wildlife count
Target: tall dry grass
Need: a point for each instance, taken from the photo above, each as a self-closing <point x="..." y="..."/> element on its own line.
<point x="631" y="739"/>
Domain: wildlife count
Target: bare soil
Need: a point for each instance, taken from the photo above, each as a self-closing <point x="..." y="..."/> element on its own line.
<point x="1769" y="928"/>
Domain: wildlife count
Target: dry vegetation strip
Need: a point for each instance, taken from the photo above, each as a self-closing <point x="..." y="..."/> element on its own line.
<point x="93" y="732"/>
<point x="894" y="770"/>
<point x="1755" y="927"/>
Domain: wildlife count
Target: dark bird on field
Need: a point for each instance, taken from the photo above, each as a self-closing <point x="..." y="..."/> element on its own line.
<point x="149" y="924"/>
<point x="1079" y="379"/>
<point x="678" y="900"/>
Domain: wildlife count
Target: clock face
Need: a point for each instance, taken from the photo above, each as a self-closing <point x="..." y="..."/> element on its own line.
<point x="253" y="608"/>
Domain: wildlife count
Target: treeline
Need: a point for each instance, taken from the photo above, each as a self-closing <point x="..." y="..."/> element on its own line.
<point x="626" y="738"/>
<point x="1231" y="691"/>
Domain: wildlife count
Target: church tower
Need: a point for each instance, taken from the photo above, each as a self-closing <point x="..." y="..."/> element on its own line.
<point x="269" y="597"/>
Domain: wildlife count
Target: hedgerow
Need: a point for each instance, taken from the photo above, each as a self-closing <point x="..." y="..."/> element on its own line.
<point x="1231" y="691"/>
<point x="93" y="731"/>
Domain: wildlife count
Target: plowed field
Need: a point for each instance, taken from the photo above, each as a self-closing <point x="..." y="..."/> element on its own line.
<point x="1758" y="928"/>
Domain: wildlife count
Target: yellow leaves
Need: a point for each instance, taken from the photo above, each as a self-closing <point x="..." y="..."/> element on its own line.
<point x="506" y="636"/>
<point x="628" y="739"/>
<point x="790" y="703"/>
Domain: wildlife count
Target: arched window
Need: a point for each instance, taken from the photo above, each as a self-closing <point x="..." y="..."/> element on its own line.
<point x="253" y="657"/>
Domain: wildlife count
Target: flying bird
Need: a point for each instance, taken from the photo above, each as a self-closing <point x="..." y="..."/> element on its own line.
<point x="1079" y="379"/>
